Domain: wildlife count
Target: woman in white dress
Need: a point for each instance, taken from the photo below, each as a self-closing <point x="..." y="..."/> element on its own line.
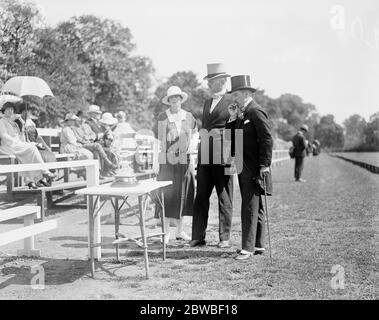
<point x="13" y="142"/>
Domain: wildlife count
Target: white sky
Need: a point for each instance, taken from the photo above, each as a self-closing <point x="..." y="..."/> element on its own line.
<point x="287" y="46"/>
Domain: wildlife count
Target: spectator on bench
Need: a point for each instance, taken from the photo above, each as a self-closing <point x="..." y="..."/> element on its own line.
<point x="13" y="143"/>
<point x="86" y="137"/>
<point x="69" y="142"/>
<point x="31" y="135"/>
<point x="108" y="122"/>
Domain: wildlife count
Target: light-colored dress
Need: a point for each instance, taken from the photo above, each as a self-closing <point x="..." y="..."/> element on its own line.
<point x="13" y="143"/>
<point x="70" y="144"/>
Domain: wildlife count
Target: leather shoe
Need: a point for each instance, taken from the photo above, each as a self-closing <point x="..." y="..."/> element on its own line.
<point x="243" y="255"/>
<point x="32" y="185"/>
<point x="197" y="243"/>
<point x="224" y="244"/>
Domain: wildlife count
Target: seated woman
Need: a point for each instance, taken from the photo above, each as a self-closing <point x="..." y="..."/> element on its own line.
<point x="69" y="142"/>
<point x="32" y="135"/>
<point x="13" y="142"/>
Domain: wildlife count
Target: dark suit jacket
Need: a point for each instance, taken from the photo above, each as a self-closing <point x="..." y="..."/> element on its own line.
<point x="300" y="144"/>
<point x="257" y="143"/>
<point x="215" y="120"/>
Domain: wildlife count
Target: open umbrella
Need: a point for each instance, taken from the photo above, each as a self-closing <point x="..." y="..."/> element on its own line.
<point x="27" y="86"/>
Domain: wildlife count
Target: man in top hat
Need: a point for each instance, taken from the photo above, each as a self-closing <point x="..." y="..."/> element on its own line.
<point x="210" y="170"/>
<point x="300" y="145"/>
<point x="257" y="154"/>
<point x="94" y="116"/>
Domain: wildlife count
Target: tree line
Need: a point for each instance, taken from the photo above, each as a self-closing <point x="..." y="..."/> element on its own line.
<point x="91" y="60"/>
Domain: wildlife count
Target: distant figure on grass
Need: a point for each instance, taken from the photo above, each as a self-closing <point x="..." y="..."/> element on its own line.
<point x="316" y="147"/>
<point x="211" y="173"/>
<point x="176" y="130"/>
<point x="257" y="157"/>
<point x="300" y="144"/>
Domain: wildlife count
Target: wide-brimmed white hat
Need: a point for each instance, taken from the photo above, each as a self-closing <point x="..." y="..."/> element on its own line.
<point x="174" y="91"/>
<point x="108" y="119"/>
<point x="4" y="98"/>
<point x="94" y="109"/>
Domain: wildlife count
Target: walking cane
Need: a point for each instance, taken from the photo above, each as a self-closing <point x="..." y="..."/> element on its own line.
<point x="268" y="227"/>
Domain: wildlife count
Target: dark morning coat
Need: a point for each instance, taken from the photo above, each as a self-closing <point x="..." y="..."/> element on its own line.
<point x="300" y="144"/>
<point x="257" y="143"/>
<point x="215" y="120"/>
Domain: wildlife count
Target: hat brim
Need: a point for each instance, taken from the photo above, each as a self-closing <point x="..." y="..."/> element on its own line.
<point x="109" y="123"/>
<point x="221" y="75"/>
<point x="183" y="95"/>
<point x="92" y="111"/>
<point x="243" y="88"/>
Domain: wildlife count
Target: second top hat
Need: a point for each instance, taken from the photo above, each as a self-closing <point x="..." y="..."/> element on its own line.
<point x="215" y="70"/>
<point x="241" y="82"/>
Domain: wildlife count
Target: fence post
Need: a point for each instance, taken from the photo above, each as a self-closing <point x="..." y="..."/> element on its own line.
<point x="92" y="177"/>
<point x="29" y="249"/>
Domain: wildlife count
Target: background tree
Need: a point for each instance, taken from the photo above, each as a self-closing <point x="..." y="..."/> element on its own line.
<point x="355" y="127"/>
<point x="329" y="133"/>
<point x="119" y="80"/>
<point x="18" y="23"/>
<point x="188" y="82"/>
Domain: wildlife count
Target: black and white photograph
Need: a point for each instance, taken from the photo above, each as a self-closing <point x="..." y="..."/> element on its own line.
<point x="206" y="151"/>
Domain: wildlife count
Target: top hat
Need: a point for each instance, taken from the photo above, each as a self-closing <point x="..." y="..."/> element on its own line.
<point x="215" y="70"/>
<point x="174" y="91"/>
<point x="94" y="108"/>
<point x="241" y="82"/>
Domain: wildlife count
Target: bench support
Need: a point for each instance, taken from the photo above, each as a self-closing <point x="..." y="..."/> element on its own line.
<point x="29" y="249"/>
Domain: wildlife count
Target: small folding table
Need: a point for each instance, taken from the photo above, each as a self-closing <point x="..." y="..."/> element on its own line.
<point x="97" y="196"/>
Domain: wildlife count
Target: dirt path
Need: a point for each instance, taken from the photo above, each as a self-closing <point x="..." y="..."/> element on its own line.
<point x="332" y="219"/>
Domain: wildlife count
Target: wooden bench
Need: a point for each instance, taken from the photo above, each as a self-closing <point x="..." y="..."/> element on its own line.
<point x="92" y="170"/>
<point x="13" y="180"/>
<point x="45" y="194"/>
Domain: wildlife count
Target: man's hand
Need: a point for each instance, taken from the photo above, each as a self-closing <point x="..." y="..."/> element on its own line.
<point x="233" y="111"/>
<point x="264" y="171"/>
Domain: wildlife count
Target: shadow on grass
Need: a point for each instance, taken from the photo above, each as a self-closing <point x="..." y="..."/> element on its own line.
<point x="57" y="272"/>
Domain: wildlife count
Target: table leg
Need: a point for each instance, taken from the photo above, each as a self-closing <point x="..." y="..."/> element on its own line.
<point x="142" y="207"/>
<point x="117" y="227"/>
<point x="163" y="226"/>
<point x="91" y="226"/>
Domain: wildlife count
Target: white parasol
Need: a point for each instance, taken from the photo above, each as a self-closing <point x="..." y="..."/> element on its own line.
<point x="27" y="86"/>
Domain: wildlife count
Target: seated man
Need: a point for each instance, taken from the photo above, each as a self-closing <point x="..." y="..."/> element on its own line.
<point x="86" y="137"/>
<point x="13" y="143"/>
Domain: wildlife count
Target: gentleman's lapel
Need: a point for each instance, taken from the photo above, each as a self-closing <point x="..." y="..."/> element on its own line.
<point x="207" y="108"/>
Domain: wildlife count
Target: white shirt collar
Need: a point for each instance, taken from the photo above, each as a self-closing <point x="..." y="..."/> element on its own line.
<point x="172" y="117"/>
<point x="247" y="102"/>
